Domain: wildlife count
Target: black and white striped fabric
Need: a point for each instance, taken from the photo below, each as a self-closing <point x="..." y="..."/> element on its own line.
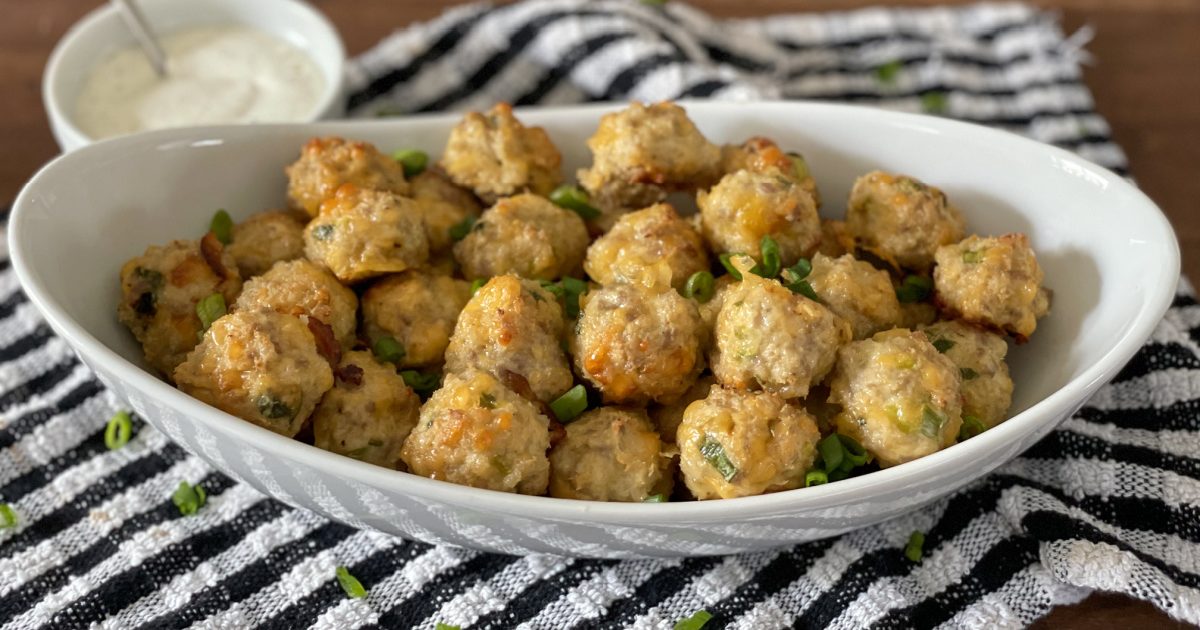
<point x="1110" y="501"/>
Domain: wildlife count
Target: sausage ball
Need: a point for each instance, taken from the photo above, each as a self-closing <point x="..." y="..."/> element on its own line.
<point x="636" y="345"/>
<point x="260" y="366"/>
<point x="513" y="326"/>
<point x="363" y="233"/>
<point x="526" y="235"/>
<point x="901" y="220"/>
<point x="992" y="281"/>
<point x="653" y="247"/>
<point x="496" y="156"/>
<point x="368" y="413"/>
<point x="900" y="397"/>
<point x="159" y="292"/>
<point x="327" y="163"/>
<point x="767" y="337"/>
<point x="835" y="238"/>
<point x="610" y="454"/>
<point x="762" y="154"/>
<point x="641" y="153"/>
<point x="746" y="205"/>
<point x="667" y="416"/>
<point x="302" y="287"/>
<point x="740" y="444"/>
<point x="857" y="292"/>
<point x="417" y="309"/>
<point x="979" y="354"/>
<point x="914" y="315"/>
<point x="476" y="432"/>
<point x="442" y="206"/>
<point x="265" y="239"/>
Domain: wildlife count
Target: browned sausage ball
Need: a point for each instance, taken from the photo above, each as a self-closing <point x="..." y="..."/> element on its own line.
<point x="901" y="220"/>
<point x="364" y="233"/>
<point x="610" y="454"/>
<point x="368" y="413"/>
<point x="747" y="205"/>
<point x="442" y="205"/>
<point x="979" y="354"/>
<point x="526" y="235"/>
<point x="761" y="155"/>
<point x="653" y="247"/>
<point x="160" y="290"/>
<point x="302" y="287"/>
<point x="265" y="239"/>
<point x="496" y="156"/>
<point x="417" y="309"/>
<point x="994" y="282"/>
<point x="857" y="292"/>
<point x="327" y="163"/>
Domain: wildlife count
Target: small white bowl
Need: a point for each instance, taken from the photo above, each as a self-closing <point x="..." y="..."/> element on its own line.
<point x="1108" y="253"/>
<point x="102" y="33"/>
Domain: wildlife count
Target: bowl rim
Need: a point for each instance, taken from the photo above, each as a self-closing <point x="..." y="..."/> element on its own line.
<point x="1162" y="280"/>
<point x="61" y="115"/>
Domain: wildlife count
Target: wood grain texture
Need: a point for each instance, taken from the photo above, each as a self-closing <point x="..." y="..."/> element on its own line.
<point x="1146" y="79"/>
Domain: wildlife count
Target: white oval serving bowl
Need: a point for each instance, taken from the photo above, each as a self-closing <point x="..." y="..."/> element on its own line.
<point x="1108" y="253"/>
<point x="102" y="33"/>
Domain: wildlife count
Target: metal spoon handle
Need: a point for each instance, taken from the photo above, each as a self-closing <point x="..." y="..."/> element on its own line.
<point x="135" y="20"/>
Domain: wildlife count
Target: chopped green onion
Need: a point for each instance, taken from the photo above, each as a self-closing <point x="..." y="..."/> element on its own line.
<point x="931" y="422"/>
<point x="323" y="232"/>
<point x="209" y="310"/>
<point x="188" y="498"/>
<point x="699" y="286"/>
<point x="914" y="289"/>
<point x="942" y="345"/>
<point x="413" y="161"/>
<point x="572" y="289"/>
<point x="968" y="374"/>
<point x="886" y="74"/>
<point x="568" y="406"/>
<point x="798" y="271"/>
<point x="831" y="452"/>
<point x="273" y="408"/>
<point x="445" y="626"/>
<point x="838" y="474"/>
<point x="853" y="451"/>
<point x="695" y="622"/>
<point x="655" y="498"/>
<point x="487" y="401"/>
<point x="714" y="453"/>
<point x="971" y="426"/>
<point x="460" y="230"/>
<point x="727" y="263"/>
<point x="815" y="478"/>
<point x="800" y="165"/>
<point x="914" y="549"/>
<point x="424" y="383"/>
<point x="771" y="260"/>
<point x="554" y="288"/>
<point x="388" y="350"/>
<point x="972" y="256"/>
<point x="934" y="102"/>
<point x="575" y="199"/>
<point x="222" y="226"/>
<point x="477" y="284"/>
<point x="804" y="288"/>
<point x="118" y="431"/>
<point x="354" y="589"/>
<point x="8" y="517"/>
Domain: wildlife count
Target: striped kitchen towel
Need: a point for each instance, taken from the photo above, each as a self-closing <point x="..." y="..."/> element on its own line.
<point x="1110" y="501"/>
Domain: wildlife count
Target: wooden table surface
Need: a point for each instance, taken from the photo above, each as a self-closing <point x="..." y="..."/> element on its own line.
<point x="1146" y="80"/>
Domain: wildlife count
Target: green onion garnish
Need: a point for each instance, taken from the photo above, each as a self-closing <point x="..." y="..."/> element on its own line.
<point x="800" y="165"/>
<point x="222" y="226"/>
<point x="771" y="261"/>
<point x="553" y="288"/>
<point x="815" y="478"/>
<point x="487" y="401"/>
<point x="714" y="453"/>
<point x="273" y="408"/>
<point x="831" y="452"/>
<point x="934" y="102"/>
<point x="209" y="310"/>
<point x="477" y="284"/>
<point x="798" y="271"/>
<point x="695" y="622"/>
<point x="572" y="289"/>
<point x="575" y="199"/>
<point x="460" y="230"/>
<point x="727" y="263"/>
<point x="931" y="422"/>
<point x="354" y="589"/>
<point x="423" y="383"/>
<point x="655" y="498"/>
<point x="914" y="549"/>
<point x="971" y="426"/>
<point x="8" y="517"/>
<point x="699" y="286"/>
<point x="968" y="374"/>
<point x="914" y="289"/>
<point x="804" y="288"/>
<point x="972" y="256"/>
<point x="413" y="161"/>
<point x="942" y="345"/>
<point x="568" y="406"/>
<point x="118" y="431"/>
<point x="445" y="626"/>
<point x="853" y="451"/>
<point x="388" y="350"/>
<point x="188" y="498"/>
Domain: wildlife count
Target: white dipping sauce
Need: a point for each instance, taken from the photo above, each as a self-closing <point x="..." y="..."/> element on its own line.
<point x="215" y="75"/>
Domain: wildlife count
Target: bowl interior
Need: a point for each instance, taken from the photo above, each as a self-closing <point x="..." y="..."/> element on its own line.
<point x="102" y="33"/>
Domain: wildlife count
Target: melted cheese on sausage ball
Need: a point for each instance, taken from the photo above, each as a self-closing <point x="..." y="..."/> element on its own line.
<point x="653" y="247"/>
<point x="418" y="309"/>
<point x="260" y="366"/>
<point x="302" y="287"/>
<point x="368" y="413"/>
<point x="992" y="281"/>
<point x="476" y="432"/>
<point x="160" y="290"/>
<point x="901" y="220"/>
<point x="900" y="397"/>
<point x="760" y="155"/>
<point x="265" y="239"/>
<point x="364" y="233"/>
<point x="326" y="164"/>
<point x="979" y="354"/>
<point x="496" y="156"/>
<point x="526" y="235"/>
<point x="740" y="444"/>
<point x="746" y="205"/>
<point x="610" y="454"/>
<point x="857" y="292"/>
